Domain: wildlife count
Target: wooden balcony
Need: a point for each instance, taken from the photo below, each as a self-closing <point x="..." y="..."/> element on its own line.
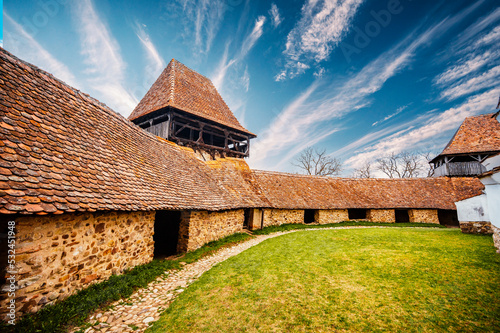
<point x="459" y="169"/>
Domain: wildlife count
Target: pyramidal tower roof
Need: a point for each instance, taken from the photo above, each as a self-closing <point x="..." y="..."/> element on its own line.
<point x="182" y="88"/>
<point x="475" y="135"/>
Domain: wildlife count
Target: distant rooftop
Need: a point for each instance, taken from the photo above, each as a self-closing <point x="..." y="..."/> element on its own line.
<point x="478" y="134"/>
<point x="184" y="89"/>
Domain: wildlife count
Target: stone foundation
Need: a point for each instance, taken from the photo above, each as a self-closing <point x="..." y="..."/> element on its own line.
<point x="325" y="216"/>
<point x="423" y="216"/>
<point x="496" y="238"/>
<point x="381" y="215"/>
<point x="484" y="228"/>
<point x="282" y="216"/>
<point x="57" y="255"/>
<point x="200" y="227"/>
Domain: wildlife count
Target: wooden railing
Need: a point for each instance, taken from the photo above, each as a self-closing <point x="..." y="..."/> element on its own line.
<point x="460" y="169"/>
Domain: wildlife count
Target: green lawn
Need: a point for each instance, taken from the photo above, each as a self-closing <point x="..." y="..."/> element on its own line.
<point x="371" y="280"/>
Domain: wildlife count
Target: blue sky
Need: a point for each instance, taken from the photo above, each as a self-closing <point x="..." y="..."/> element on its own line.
<point x="358" y="78"/>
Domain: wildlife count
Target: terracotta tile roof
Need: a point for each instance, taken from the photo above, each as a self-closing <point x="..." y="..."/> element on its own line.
<point x="182" y="88"/>
<point x="292" y="191"/>
<point x="63" y="151"/>
<point x="475" y="135"/>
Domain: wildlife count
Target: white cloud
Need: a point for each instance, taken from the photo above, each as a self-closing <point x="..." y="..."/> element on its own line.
<point x="245" y="79"/>
<point x="275" y="15"/>
<point x="253" y="37"/>
<point x="301" y="118"/>
<point x="206" y="16"/>
<point x="103" y="60"/>
<point x="24" y="45"/>
<point x="470" y="35"/>
<point x="156" y="62"/>
<point x="466" y="66"/>
<point x="438" y="127"/>
<point x="248" y="43"/>
<point x="321" y="27"/>
<point x="398" y="111"/>
<point x="483" y="81"/>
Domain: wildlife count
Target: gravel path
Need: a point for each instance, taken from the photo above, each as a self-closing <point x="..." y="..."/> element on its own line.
<point x="136" y="313"/>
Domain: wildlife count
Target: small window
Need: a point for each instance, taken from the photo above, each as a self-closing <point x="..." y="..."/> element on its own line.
<point x="357" y="214"/>
<point x="309" y="216"/>
<point x="402" y="216"/>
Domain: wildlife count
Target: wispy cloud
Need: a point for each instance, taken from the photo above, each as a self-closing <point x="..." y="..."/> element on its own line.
<point x="156" y="63"/>
<point x="470" y="35"/>
<point x="398" y="111"/>
<point x="103" y="60"/>
<point x="24" y="45"/>
<point x="248" y="43"/>
<point x="245" y="79"/>
<point x="205" y="17"/>
<point x="483" y="81"/>
<point x="299" y="121"/>
<point x="320" y="29"/>
<point x="274" y="12"/>
<point x="436" y="128"/>
<point x="466" y="66"/>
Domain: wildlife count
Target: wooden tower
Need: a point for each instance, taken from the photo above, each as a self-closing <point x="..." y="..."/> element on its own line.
<point x="184" y="106"/>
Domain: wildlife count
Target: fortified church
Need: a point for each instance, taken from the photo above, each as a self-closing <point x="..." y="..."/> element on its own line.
<point x="93" y="193"/>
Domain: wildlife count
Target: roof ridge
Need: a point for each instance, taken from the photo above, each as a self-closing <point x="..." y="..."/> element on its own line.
<point x="172" y="82"/>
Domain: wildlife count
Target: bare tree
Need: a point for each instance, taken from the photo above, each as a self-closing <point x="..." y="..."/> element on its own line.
<point x="402" y="165"/>
<point x="314" y="162"/>
<point x="364" y="171"/>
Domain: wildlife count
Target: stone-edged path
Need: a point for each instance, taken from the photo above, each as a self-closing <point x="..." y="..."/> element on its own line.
<point x="145" y="306"/>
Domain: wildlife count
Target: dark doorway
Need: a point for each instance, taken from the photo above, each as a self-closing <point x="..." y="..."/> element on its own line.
<point x="166" y="233"/>
<point x="448" y="218"/>
<point x="402" y="216"/>
<point x="247" y="219"/>
<point x="309" y="215"/>
<point x="357" y="214"/>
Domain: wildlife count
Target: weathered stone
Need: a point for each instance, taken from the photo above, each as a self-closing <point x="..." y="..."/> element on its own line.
<point x="423" y="216"/>
<point x="484" y="228"/>
<point x="331" y="216"/>
<point x="99" y="228"/>
<point x="381" y="215"/>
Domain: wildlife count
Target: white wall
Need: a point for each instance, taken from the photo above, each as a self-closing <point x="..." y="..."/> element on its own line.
<point x="492" y="190"/>
<point x="474" y="209"/>
<point x="491" y="162"/>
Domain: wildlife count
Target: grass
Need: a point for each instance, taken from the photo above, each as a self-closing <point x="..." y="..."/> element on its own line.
<point x="362" y="280"/>
<point x="287" y="227"/>
<point x="75" y="309"/>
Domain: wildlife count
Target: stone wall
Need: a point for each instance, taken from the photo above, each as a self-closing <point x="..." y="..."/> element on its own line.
<point x="423" y="216"/>
<point x="200" y="227"/>
<point x="325" y="216"/>
<point x="57" y="255"/>
<point x="381" y="215"/>
<point x="484" y="228"/>
<point x="496" y="238"/>
<point x="282" y="216"/>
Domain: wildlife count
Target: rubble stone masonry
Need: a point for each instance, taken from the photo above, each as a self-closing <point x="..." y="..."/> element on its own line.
<point x="57" y="255"/>
<point x="325" y="216"/>
<point x="423" y="216"/>
<point x="282" y="216"/>
<point x="200" y="227"/>
<point x="484" y="228"/>
<point x="381" y="215"/>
